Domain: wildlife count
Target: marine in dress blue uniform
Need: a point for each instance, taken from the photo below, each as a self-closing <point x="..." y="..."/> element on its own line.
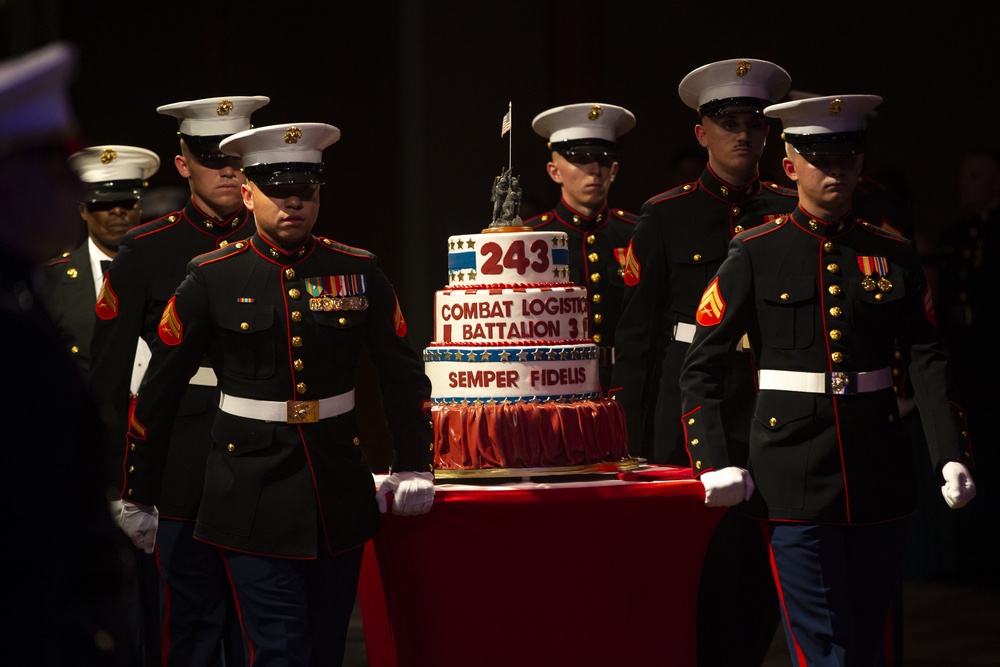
<point x="113" y="179"/>
<point x="679" y="243"/>
<point x="283" y="317"/>
<point x="196" y="601"/>
<point x="583" y="139"/>
<point x="823" y="299"/>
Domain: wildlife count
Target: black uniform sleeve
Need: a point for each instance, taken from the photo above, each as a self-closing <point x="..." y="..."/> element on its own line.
<point x="638" y="337"/>
<point x="405" y="388"/>
<point x="184" y="336"/>
<point x="702" y="386"/>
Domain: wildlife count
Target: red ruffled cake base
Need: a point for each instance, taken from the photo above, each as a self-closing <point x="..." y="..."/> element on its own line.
<point x="528" y="435"/>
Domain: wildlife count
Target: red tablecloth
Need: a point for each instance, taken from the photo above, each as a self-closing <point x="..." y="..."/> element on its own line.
<point x="592" y="573"/>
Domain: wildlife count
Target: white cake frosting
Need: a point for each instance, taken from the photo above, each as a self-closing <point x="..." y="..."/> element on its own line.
<point x="508" y="258"/>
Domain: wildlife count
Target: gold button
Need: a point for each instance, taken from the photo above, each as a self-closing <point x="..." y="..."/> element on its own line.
<point x="896" y="354"/>
<point x="724" y="190"/>
<point x="294" y="293"/>
<point x="597" y="317"/>
<point x="131" y="446"/>
<point x="130" y="492"/>
<point x="835" y="334"/>
<point x="231" y="447"/>
<point x="687" y="187"/>
<point x="74" y="349"/>
<point x="828" y="246"/>
<point x="244" y="326"/>
<point x="697" y="257"/>
<point x="691" y="421"/>
<point x="895" y="372"/>
<point x="289" y="274"/>
<point x="296" y="316"/>
<point x="736" y="210"/>
<point x="576" y="220"/>
<point x="785" y="296"/>
<point x="596" y="298"/>
<point x="833" y="289"/>
<point x="357" y="440"/>
<point x="296" y="341"/>
<point x="342" y="321"/>
<point x="773" y="421"/>
<point x="430" y="447"/>
<point x="694" y="443"/>
<point x="595" y="277"/>
<point x="738" y="228"/>
<point x="131" y="468"/>
<point x="298" y="365"/>
<point x="597" y="338"/>
<point x="697" y="465"/>
<point x="591" y="239"/>
<point x="72" y="273"/>
<point x="274" y="253"/>
<point x="837" y="357"/>
<point x="833" y="268"/>
<point x="301" y="387"/>
<point x="836" y="311"/>
<point x="223" y="243"/>
<point x="592" y="257"/>
<point x="879" y="297"/>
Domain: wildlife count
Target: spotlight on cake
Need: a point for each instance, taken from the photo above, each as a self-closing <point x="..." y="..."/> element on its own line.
<point x="512" y="365"/>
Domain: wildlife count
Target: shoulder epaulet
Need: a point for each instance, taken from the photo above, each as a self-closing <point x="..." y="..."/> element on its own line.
<point x="627" y="216"/>
<point x="762" y="230"/>
<point x="330" y="244"/>
<point x="680" y="190"/>
<point x="884" y="233"/>
<point x="539" y="220"/>
<point x="61" y="259"/>
<point x="781" y="189"/>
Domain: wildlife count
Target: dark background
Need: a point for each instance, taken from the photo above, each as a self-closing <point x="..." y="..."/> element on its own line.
<point x="419" y="88"/>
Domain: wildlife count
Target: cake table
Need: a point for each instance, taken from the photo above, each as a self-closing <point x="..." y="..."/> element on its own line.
<point x="540" y="572"/>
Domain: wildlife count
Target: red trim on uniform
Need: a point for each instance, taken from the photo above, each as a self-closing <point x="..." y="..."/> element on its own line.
<point x="239" y="610"/>
<point x="799" y="654"/>
<point x="687" y="439"/>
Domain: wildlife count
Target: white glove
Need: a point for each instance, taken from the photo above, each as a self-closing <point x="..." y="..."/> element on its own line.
<point x="727" y="487"/>
<point x="115" y="507"/>
<point x="413" y="493"/>
<point x="139" y="522"/>
<point x="958" y="488"/>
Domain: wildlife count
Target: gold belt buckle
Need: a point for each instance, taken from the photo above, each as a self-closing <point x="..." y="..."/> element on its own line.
<point x="301" y="412"/>
<point x="839" y="382"/>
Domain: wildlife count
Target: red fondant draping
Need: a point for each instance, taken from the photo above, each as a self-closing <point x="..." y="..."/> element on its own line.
<point x="571" y="573"/>
<point x="528" y="435"/>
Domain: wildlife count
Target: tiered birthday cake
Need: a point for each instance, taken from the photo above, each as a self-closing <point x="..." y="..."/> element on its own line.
<point x="513" y="370"/>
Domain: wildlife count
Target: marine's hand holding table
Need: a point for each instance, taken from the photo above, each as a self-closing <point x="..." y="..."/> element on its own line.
<point x="958" y="488"/>
<point x="139" y="522"/>
<point x="727" y="487"/>
<point x="413" y="493"/>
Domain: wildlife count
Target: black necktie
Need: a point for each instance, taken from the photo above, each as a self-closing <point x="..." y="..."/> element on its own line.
<point x="105" y="263"/>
